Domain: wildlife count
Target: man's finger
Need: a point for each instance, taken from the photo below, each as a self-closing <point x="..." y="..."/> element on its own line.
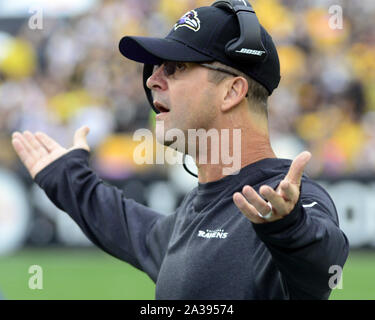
<point x="247" y="209"/>
<point x="276" y="200"/>
<point x="46" y="141"/>
<point x="35" y="144"/>
<point x="287" y="190"/>
<point x="297" y="167"/>
<point x="80" y="138"/>
<point x="29" y="153"/>
<point x="20" y="149"/>
<point x="255" y="200"/>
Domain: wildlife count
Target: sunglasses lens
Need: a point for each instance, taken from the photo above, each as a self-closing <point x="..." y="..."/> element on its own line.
<point x="169" y="68"/>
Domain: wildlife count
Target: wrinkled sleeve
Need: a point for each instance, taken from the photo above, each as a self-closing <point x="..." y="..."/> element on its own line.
<point x="306" y="243"/>
<point x="122" y="227"/>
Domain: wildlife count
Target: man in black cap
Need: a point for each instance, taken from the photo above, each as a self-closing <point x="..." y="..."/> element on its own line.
<point x="265" y="231"/>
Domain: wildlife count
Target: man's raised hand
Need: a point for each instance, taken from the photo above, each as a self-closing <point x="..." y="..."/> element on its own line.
<point x="283" y="200"/>
<point x="38" y="150"/>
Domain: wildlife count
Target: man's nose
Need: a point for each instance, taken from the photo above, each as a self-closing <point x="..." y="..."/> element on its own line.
<point x="157" y="80"/>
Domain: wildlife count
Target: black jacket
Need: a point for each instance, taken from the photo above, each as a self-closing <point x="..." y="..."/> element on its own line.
<point x="207" y="249"/>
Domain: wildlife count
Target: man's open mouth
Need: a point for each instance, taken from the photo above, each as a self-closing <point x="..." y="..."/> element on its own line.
<point x="160" y="107"/>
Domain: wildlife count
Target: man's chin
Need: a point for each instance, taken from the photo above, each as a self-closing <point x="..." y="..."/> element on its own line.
<point x="163" y="142"/>
<point x="178" y="142"/>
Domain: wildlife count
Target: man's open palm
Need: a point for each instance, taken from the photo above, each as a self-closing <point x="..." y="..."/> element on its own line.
<point x="38" y="150"/>
<point x="282" y="200"/>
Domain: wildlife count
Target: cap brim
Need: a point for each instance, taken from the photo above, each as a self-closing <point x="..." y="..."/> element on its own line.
<point x="155" y="50"/>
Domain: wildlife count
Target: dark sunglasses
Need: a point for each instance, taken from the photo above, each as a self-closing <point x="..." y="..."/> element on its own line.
<point x="170" y="68"/>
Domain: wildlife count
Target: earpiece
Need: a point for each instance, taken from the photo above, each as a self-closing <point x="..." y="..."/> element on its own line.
<point x="248" y="47"/>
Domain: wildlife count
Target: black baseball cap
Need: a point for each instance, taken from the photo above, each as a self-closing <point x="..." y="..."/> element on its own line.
<point x="201" y="36"/>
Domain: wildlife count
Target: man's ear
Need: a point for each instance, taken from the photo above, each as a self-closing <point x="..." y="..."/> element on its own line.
<point x="236" y="90"/>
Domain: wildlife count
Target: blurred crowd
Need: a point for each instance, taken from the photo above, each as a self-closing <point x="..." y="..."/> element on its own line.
<point x="71" y="73"/>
